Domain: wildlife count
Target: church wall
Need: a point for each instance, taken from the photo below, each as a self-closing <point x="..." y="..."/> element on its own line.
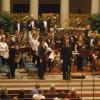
<point x="75" y="5"/>
<point x="0" y="5"/>
<point x="83" y="6"/>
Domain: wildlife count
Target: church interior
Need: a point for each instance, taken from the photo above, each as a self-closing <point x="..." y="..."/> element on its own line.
<point x="50" y="49"/>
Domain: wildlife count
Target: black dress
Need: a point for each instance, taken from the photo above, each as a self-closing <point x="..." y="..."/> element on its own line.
<point x="80" y="57"/>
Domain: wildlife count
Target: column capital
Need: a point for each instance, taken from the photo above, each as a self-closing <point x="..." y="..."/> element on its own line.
<point x="6" y="5"/>
<point x="99" y="6"/>
<point x="34" y="8"/>
<point x="95" y="6"/>
<point x="64" y="13"/>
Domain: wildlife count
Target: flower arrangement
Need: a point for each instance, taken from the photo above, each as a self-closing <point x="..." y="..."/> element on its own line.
<point x="6" y="21"/>
<point x="94" y="21"/>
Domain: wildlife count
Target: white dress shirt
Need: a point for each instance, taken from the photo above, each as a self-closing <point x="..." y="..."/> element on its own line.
<point x="45" y="24"/>
<point x="4" y="51"/>
<point x="34" y="43"/>
<point x="32" y="23"/>
<point x="38" y="96"/>
<point x="18" y="26"/>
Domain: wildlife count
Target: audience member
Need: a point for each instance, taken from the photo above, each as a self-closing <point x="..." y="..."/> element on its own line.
<point x="4" y="94"/>
<point x="73" y="95"/>
<point x="56" y="98"/>
<point x="38" y="96"/>
<point x="52" y="89"/>
<point x="21" y="94"/>
<point x="35" y="89"/>
<point x="15" y="98"/>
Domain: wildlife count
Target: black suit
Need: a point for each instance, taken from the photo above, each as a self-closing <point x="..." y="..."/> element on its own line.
<point x="12" y="63"/>
<point x="86" y="32"/>
<point x="40" y="25"/>
<point x="29" y="25"/>
<point x="66" y="54"/>
<point x="48" y="25"/>
<point x="41" y="62"/>
<point x="47" y="28"/>
<point x="16" y="26"/>
<point x="95" y="40"/>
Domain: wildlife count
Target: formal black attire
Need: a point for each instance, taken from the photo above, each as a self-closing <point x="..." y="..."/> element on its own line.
<point x="86" y="32"/>
<point x="66" y="55"/>
<point x="41" y="62"/>
<point x="40" y="25"/>
<point x="80" y="57"/>
<point x="15" y="27"/>
<point x="12" y="63"/>
<point x="4" y="96"/>
<point x="95" y="40"/>
<point x="29" y="25"/>
<point x="48" y="25"/>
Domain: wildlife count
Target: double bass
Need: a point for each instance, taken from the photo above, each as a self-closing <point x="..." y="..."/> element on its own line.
<point x="96" y="59"/>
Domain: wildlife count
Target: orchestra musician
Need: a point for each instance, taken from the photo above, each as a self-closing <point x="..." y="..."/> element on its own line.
<point x="43" y="51"/>
<point x="51" y="59"/>
<point x="18" y="37"/>
<point x="4" y="51"/>
<point x="31" y="24"/>
<point x="11" y="61"/>
<point x="34" y="43"/>
<point x="46" y="22"/>
<point x="87" y="32"/>
<point x="79" y="47"/>
<point x="92" y="40"/>
<point x="96" y="59"/>
<point x="18" y="26"/>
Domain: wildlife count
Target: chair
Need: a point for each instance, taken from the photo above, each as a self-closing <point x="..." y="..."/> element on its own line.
<point x="30" y="65"/>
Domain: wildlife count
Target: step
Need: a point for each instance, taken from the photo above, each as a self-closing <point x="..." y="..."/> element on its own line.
<point x="90" y="98"/>
<point x="57" y="84"/>
<point x="48" y="80"/>
<point x="28" y="84"/>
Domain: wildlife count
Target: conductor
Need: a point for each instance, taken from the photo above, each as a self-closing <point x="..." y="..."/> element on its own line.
<point x="66" y="55"/>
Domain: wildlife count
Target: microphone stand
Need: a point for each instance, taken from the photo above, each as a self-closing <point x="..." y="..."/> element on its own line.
<point x="93" y="79"/>
<point x="82" y="73"/>
<point x="1" y="67"/>
<point x="82" y="84"/>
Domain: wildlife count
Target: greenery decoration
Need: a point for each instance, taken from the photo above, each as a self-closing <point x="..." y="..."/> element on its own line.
<point x="94" y="21"/>
<point x="6" y="21"/>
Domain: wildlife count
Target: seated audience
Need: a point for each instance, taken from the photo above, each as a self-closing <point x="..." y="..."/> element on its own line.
<point x="35" y="89"/>
<point x="73" y="95"/>
<point x="4" y="94"/>
<point x="15" y="98"/>
<point x="52" y="89"/>
<point x="56" y="98"/>
<point x="21" y="94"/>
<point x="38" y="96"/>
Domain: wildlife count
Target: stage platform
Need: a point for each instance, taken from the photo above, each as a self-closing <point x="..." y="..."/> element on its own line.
<point x="86" y="89"/>
<point x="85" y="85"/>
<point x="58" y="75"/>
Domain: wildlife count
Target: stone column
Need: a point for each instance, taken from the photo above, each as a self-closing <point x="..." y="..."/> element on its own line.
<point x="34" y="8"/>
<point x="64" y="13"/>
<point x="6" y="5"/>
<point x="99" y="6"/>
<point x="95" y="6"/>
